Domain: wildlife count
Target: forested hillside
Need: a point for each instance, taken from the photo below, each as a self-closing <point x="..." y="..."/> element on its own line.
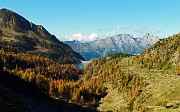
<point x="119" y="82"/>
<point x="27" y="95"/>
<point x="59" y="81"/>
<point x="164" y="54"/>
<point x="41" y="77"/>
<point x="153" y="84"/>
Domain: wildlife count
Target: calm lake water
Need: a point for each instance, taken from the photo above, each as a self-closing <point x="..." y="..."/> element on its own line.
<point x="82" y="64"/>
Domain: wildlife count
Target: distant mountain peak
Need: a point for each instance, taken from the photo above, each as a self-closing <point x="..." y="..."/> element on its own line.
<point x="121" y="43"/>
<point x="124" y="35"/>
<point x="148" y="38"/>
<point x="148" y="34"/>
<point x="75" y="41"/>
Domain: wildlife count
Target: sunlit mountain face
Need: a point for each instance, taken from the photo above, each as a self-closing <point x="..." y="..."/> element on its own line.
<point x="122" y="43"/>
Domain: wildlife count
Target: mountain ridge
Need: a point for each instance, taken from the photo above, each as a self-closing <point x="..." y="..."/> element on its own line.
<point x="122" y="43"/>
<point x="24" y="36"/>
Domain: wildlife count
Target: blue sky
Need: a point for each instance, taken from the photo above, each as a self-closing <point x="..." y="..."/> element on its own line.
<point x="86" y="20"/>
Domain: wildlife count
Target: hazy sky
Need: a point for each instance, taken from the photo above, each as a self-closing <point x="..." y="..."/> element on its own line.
<point x="91" y="19"/>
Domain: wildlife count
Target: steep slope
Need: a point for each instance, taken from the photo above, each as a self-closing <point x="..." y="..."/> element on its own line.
<point x="164" y="54"/>
<point x="147" y="82"/>
<point x="148" y="40"/>
<point x="64" y="82"/>
<point x="22" y="96"/>
<point x="122" y="43"/>
<point x="23" y="36"/>
<point x="84" y="49"/>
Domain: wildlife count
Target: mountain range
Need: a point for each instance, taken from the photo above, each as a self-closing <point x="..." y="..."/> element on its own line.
<point x="21" y="35"/>
<point x="122" y="43"/>
<point x="35" y="74"/>
<point x="24" y="36"/>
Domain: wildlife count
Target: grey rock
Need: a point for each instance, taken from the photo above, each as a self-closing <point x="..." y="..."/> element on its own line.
<point x="122" y="43"/>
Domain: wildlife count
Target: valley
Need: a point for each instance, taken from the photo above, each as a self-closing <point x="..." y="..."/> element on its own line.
<point x="82" y="64"/>
<point x="39" y="73"/>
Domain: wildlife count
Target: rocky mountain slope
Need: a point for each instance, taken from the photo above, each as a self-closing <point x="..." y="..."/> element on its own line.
<point x="84" y="49"/>
<point x="23" y="36"/>
<point x="164" y="54"/>
<point x="148" y="82"/>
<point x="122" y="43"/>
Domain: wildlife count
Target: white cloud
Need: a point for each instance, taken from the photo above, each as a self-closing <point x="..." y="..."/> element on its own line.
<point x="117" y="30"/>
<point x="120" y="27"/>
<point x="113" y="33"/>
<point x="135" y="35"/>
<point x="81" y="37"/>
<point x="92" y="36"/>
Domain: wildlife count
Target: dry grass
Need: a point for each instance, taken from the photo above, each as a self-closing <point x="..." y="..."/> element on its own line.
<point x="162" y="94"/>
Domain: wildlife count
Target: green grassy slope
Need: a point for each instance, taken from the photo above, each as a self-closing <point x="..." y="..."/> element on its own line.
<point x="148" y="82"/>
<point x="161" y="92"/>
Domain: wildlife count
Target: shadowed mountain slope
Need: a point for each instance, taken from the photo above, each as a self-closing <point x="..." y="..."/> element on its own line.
<point x="23" y="36"/>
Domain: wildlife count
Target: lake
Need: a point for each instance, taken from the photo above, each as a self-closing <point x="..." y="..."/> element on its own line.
<point x="83" y="63"/>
